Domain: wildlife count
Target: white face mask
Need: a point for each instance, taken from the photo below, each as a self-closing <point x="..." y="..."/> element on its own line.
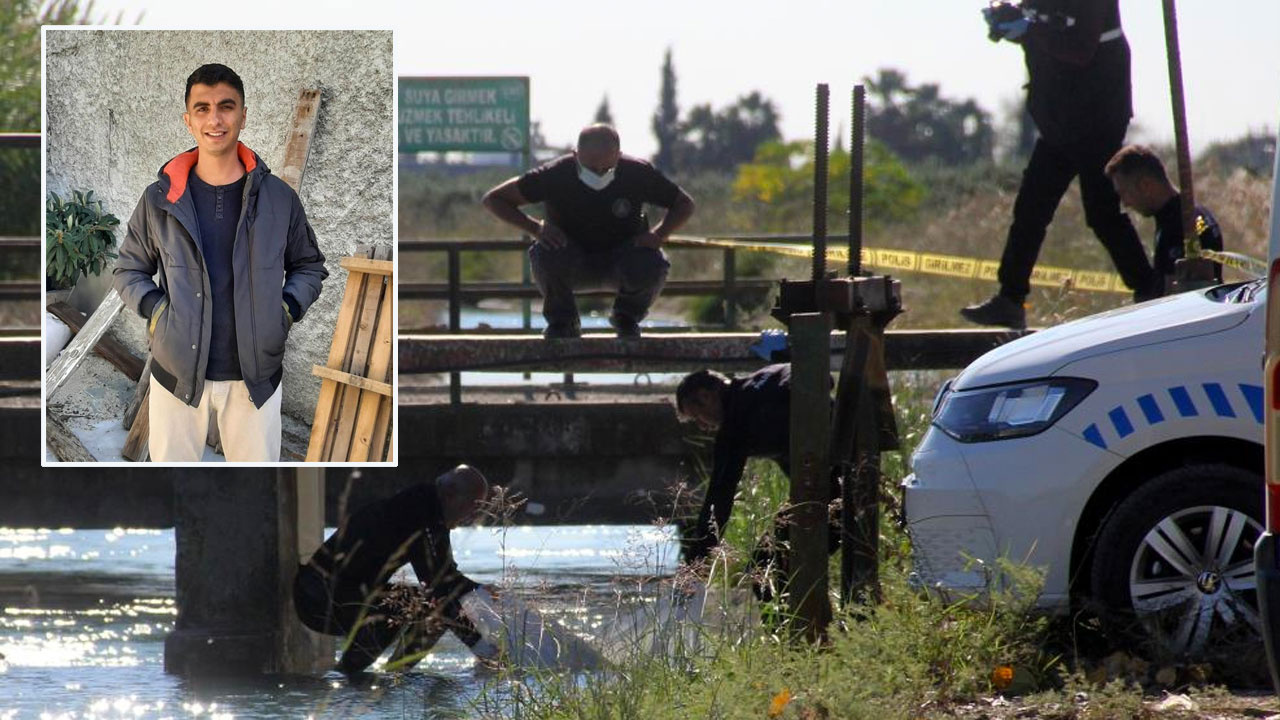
<point x="594" y="180"/>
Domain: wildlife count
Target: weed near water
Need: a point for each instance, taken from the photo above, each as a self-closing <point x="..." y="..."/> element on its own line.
<point x="913" y="655"/>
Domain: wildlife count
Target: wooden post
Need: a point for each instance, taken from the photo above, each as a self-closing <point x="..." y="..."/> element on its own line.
<point x="137" y="445"/>
<point x="108" y="347"/>
<point x="1185" y="184"/>
<point x="82" y="344"/>
<point x="298" y="144"/>
<point x="810" y="465"/>
<point x="140" y="391"/>
<point x="64" y="443"/>
<point x="1191" y="271"/>
<point x="856" y="443"/>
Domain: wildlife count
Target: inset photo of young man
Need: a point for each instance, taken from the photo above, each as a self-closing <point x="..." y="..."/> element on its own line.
<point x="219" y="234"/>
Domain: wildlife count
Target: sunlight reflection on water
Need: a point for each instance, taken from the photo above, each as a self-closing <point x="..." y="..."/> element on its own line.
<point x="85" y="615"/>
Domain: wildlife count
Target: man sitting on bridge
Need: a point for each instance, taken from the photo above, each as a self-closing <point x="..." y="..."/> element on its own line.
<point x="595" y="235"/>
<point x="346" y="589"/>
<point x="751" y="417"/>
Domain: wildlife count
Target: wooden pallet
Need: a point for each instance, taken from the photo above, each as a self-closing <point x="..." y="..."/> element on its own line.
<point x="354" y="414"/>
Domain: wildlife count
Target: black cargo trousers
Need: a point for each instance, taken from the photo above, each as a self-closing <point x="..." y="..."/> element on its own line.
<point x="635" y="273"/>
<point x="1045" y="180"/>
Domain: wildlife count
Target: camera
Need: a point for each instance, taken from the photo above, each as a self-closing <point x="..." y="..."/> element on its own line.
<point x="999" y="12"/>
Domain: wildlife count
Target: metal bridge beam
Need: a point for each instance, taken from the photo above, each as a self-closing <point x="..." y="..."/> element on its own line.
<point x="904" y="350"/>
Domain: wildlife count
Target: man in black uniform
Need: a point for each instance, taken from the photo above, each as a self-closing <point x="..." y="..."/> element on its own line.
<point x="751" y="417"/>
<point x="595" y="234"/>
<point x="1143" y="185"/>
<point x="1081" y="100"/>
<point x="345" y="589"/>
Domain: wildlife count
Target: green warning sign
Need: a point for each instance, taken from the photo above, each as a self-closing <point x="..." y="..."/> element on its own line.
<point x="468" y="114"/>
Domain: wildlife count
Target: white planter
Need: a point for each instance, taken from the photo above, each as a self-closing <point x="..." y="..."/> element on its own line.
<point x="53" y="296"/>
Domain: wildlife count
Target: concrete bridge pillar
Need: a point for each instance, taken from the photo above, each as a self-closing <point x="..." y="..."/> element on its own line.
<point x="240" y="537"/>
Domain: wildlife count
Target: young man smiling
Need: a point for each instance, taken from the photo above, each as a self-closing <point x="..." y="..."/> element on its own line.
<point x="235" y="264"/>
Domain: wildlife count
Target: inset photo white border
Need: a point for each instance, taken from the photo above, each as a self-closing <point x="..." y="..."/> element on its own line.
<point x="115" y="121"/>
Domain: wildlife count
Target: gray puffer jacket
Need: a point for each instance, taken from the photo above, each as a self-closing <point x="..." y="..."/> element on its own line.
<point x="275" y="256"/>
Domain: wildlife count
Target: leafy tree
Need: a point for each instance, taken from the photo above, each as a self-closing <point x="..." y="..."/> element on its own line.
<point x="666" y="121"/>
<point x="711" y="140"/>
<point x="602" y="113"/>
<point x="1017" y="132"/>
<point x="919" y="124"/>
<point x="20" y="22"/>
<point x="780" y="181"/>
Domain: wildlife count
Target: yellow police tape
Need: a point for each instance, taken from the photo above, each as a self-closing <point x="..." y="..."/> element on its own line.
<point x="897" y="261"/>
<point x="1239" y="261"/>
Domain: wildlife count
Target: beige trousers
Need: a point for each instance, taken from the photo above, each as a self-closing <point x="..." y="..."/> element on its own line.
<point x="248" y="433"/>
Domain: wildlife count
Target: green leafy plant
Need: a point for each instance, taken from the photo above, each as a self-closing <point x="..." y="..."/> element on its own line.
<point x="79" y="236"/>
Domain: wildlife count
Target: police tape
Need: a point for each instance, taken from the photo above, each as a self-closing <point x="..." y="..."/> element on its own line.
<point x="1239" y="261"/>
<point x="910" y="261"/>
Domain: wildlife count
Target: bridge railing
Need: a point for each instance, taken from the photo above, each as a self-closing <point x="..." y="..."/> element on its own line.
<point x="20" y="268"/>
<point x="728" y="287"/>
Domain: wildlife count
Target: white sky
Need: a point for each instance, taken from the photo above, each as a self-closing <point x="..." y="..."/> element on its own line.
<point x="575" y="52"/>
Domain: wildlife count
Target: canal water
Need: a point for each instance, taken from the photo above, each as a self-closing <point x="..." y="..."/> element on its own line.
<point x="85" y="614"/>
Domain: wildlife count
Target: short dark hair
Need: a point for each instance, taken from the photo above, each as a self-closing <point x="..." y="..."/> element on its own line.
<point x="1136" y="161"/>
<point x="212" y="74"/>
<point x="703" y="379"/>
<point x="599" y="135"/>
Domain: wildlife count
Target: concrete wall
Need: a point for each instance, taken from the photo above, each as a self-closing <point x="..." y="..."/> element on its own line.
<point x="114" y="102"/>
<point x="574" y="463"/>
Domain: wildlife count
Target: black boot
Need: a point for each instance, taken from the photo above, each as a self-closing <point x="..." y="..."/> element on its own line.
<point x="999" y="310"/>
<point x="624" y="326"/>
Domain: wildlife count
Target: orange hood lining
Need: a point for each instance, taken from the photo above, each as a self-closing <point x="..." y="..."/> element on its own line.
<point x="180" y="167"/>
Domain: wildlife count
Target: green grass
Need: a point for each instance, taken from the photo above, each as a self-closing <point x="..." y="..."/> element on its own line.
<point x="913" y="655"/>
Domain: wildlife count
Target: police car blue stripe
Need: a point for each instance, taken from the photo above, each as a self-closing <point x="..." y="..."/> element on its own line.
<point x="1182" y="399"/>
<point x="1120" y="420"/>
<point x="1092" y="434"/>
<point x="1253" y="396"/>
<point x="1150" y="409"/>
<point x="1218" y="399"/>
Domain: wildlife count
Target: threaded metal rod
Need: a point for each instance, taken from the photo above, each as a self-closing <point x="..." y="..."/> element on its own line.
<point x="856" y="141"/>
<point x="820" y="185"/>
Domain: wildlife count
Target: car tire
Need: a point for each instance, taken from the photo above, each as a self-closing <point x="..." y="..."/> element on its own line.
<point x="1173" y="564"/>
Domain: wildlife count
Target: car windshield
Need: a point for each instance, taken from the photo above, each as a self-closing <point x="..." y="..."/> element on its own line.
<point x="1239" y="293"/>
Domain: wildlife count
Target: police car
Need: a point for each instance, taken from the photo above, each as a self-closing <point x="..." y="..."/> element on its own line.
<point x="1122" y="453"/>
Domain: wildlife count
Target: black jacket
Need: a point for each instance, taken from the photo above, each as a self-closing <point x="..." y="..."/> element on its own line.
<point x="357" y="562"/>
<point x="1169" y="237"/>
<point x="1079" y="83"/>
<point x="383" y="536"/>
<point x="757" y="423"/>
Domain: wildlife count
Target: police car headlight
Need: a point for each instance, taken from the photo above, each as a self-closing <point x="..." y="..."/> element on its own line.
<point x="1008" y="411"/>
<point x="942" y="395"/>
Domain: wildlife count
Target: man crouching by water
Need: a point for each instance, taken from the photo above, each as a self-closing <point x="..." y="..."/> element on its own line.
<point x="346" y="589"/>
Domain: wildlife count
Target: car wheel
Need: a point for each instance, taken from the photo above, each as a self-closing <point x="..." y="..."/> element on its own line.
<point x="1174" y="562"/>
